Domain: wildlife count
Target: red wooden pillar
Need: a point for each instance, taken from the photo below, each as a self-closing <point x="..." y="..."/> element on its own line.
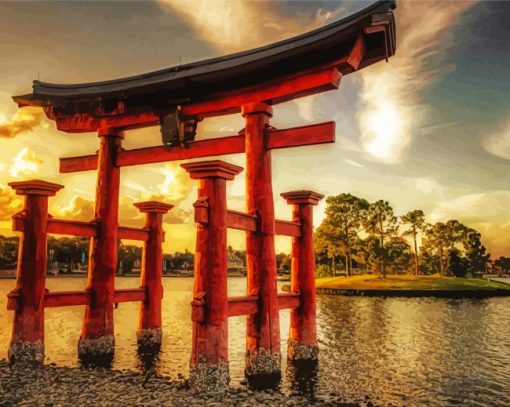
<point x="149" y="330"/>
<point x="27" y="341"/>
<point x="302" y="345"/>
<point x="263" y="329"/>
<point x="96" y="345"/>
<point x="209" y="357"/>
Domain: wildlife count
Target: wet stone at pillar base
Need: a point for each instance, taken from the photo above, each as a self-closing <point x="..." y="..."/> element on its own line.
<point x="206" y="377"/>
<point x="21" y="352"/>
<point x="149" y="340"/>
<point x="298" y="352"/>
<point x="263" y="369"/>
<point x="97" y="351"/>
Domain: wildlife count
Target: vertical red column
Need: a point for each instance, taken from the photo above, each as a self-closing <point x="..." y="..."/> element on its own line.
<point x="96" y="345"/>
<point x="209" y="357"/>
<point x="302" y="345"/>
<point x="263" y="329"/>
<point x="149" y="330"/>
<point x="27" y="341"/>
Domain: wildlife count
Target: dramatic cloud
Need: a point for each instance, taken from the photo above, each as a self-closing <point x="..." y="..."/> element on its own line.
<point x="78" y="209"/>
<point x="498" y="143"/>
<point x="10" y="203"/>
<point x="234" y="25"/>
<point x="392" y="92"/>
<point x="24" y="120"/>
<point x="25" y="163"/>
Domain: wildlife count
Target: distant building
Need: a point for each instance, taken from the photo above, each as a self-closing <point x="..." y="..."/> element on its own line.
<point x="235" y="264"/>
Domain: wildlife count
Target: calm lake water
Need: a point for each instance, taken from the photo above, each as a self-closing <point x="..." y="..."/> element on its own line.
<point x="433" y="352"/>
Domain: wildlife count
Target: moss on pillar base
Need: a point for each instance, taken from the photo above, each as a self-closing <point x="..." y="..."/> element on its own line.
<point x="97" y="351"/>
<point x="149" y="340"/>
<point x="263" y="369"/>
<point x="208" y="377"/>
<point x="305" y="353"/>
<point x="23" y="353"/>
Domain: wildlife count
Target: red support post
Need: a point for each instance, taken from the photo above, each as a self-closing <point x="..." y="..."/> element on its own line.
<point x="149" y="330"/>
<point x="209" y="357"/>
<point x="27" y="341"/>
<point x="302" y="345"/>
<point x="263" y="360"/>
<point x="97" y="342"/>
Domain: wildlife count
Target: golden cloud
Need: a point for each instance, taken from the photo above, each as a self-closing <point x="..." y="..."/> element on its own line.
<point x="25" y="163"/>
<point x="10" y="203"/>
<point x="24" y="120"/>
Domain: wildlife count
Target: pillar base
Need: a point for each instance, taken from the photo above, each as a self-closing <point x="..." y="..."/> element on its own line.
<point x="263" y="369"/>
<point x="302" y="353"/>
<point x="149" y="340"/>
<point x="97" y="351"/>
<point x="23" y="353"/>
<point x="208" y="377"/>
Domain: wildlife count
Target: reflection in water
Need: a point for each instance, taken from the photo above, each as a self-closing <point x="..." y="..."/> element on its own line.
<point x="393" y="351"/>
<point x="302" y="377"/>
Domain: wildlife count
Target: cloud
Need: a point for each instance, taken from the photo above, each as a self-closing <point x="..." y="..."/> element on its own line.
<point x="25" y="163"/>
<point x="486" y="212"/>
<point x="10" y="203"/>
<point x="234" y="25"/>
<point x="426" y="185"/>
<point x="78" y="209"/>
<point x="24" y="120"/>
<point x="498" y="143"/>
<point x="392" y="93"/>
<point x="354" y="163"/>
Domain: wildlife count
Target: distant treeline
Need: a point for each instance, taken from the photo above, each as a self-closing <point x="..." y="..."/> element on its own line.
<point x="73" y="252"/>
<point x="358" y="235"/>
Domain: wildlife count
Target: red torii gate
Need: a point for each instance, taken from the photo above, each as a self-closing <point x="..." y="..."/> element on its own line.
<point x="178" y="99"/>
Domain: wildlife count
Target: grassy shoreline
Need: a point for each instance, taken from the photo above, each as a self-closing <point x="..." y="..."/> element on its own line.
<point x="410" y="285"/>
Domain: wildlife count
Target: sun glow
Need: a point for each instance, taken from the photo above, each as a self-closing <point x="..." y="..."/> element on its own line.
<point x="384" y="127"/>
<point x="166" y="187"/>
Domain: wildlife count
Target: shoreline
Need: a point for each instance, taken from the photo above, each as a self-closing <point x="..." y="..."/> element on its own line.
<point x="453" y="294"/>
<point x="435" y="286"/>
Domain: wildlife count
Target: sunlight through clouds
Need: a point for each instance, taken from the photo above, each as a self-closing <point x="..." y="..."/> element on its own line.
<point x="392" y="93"/>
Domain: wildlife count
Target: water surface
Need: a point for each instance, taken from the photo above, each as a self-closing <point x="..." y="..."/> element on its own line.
<point x="409" y="351"/>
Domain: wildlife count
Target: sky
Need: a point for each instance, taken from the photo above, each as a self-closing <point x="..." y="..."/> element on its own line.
<point x="429" y="129"/>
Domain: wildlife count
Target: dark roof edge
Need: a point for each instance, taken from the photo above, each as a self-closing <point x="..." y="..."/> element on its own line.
<point x="51" y="89"/>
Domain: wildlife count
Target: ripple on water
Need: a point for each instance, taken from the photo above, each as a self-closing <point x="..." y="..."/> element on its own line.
<point x="416" y="351"/>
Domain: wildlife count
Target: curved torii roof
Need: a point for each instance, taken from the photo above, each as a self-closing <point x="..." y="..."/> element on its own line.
<point x="306" y="63"/>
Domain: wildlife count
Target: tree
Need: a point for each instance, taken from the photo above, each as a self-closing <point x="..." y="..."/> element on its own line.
<point x="399" y="255"/>
<point x="416" y="221"/>
<point x="475" y="252"/>
<point x="339" y="229"/>
<point x="503" y="264"/>
<point x="380" y="222"/>
<point x="457" y="266"/>
<point x="436" y="242"/>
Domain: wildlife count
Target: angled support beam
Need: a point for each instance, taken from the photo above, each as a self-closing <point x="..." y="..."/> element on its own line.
<point x="294" y="137"/>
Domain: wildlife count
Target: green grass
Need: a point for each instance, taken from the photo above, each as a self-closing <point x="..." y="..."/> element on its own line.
<point x="409" y="282"/>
